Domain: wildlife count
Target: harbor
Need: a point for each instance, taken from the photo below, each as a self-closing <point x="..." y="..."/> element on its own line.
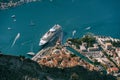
<point x="59" y="40"/>
<point x="54" y="47"/>
<point x="43" y="21"/>
<point x="87" y="51"/>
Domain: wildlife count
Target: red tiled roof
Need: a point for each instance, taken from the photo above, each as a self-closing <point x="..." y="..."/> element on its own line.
<point x="114" y="69"/>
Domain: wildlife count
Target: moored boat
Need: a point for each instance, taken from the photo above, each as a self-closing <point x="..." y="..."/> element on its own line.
<point x="52" y="33"/>
<point x="31" y="53"/>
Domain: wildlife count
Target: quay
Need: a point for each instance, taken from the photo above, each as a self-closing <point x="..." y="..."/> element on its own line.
<point x="41" y="53"/>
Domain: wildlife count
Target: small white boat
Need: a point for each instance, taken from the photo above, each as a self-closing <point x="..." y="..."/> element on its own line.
<point x="13" y="16"/>
<point x="88" y="28"/>
<point x="31" y="53"/>
<point x="9" y="28"/>
<point x="14" y="20"/>
<point x="73" y="33"/>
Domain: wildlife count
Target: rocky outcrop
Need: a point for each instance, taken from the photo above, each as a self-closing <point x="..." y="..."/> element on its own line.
<point x="21" y="68"/>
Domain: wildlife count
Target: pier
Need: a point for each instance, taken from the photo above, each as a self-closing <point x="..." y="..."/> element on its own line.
<point x="41" y="53"/>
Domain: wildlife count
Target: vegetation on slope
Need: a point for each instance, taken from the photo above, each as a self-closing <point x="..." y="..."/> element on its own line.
<point x="78" y="41"/>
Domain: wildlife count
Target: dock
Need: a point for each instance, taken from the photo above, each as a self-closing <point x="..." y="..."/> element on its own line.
<point x="41" y="53"/>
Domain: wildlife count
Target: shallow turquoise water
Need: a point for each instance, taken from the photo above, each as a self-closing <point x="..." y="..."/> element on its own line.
<point x="102" y="16"/>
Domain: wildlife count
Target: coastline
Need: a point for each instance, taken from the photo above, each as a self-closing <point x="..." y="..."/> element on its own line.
<point x="10" y="4"/>
<point x="18" y="68"/>
<point x="60" y="57"/>
<point x="93" y="52"/>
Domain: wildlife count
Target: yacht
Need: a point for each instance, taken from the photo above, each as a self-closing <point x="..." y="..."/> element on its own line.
<point x="31" y="53"/>
<point x="50" y="35"/>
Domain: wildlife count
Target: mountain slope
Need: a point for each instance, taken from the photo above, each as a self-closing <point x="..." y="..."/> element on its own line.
<point x="20" y="68"/>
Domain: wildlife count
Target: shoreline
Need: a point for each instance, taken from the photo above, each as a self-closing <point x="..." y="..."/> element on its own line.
<point x="10" y="4"/>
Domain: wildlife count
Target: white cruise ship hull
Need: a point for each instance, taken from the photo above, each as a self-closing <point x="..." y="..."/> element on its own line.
<point x="50" y="35"/>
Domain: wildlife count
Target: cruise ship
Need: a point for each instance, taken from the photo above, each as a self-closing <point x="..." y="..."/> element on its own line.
<point x="51" y="34"/>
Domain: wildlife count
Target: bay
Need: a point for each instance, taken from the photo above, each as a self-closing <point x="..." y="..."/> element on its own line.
<point x="102" y="16"/>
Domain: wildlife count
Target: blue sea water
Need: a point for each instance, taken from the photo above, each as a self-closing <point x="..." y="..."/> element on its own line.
<point x="103" y="16"/>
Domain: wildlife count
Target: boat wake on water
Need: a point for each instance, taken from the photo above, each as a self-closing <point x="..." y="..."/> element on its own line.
<point x="26" y="42"/>
<point x="16" y="38"/>
<point x="73" y="33"/>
